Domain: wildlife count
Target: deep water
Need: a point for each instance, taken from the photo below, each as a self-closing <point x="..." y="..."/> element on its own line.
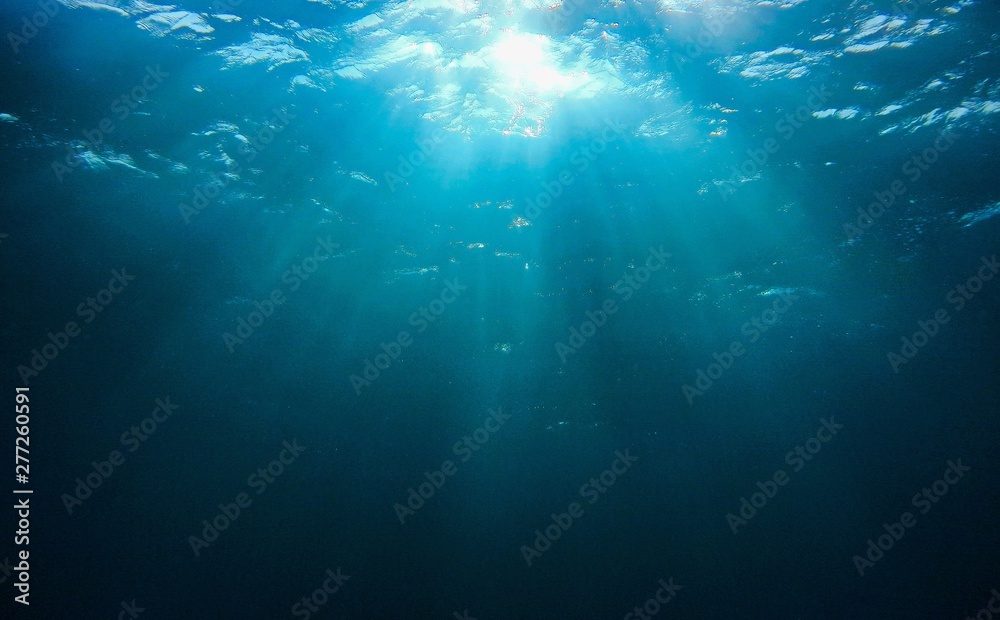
<point x="502" y="310"/>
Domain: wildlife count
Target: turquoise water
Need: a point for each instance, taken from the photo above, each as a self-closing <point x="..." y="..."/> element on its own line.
<point x="503" y="310"/>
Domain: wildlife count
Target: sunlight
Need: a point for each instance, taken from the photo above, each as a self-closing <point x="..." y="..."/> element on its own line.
<point x="527" y="62"/>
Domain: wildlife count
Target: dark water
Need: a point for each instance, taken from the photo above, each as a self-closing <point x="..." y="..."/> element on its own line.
<point x="532" y="312"/>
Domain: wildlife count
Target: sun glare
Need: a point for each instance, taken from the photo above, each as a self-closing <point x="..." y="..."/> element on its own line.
<point x="527" y="62"/>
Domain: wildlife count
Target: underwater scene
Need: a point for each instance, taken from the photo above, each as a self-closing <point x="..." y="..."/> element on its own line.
<point x="500" y="309"/>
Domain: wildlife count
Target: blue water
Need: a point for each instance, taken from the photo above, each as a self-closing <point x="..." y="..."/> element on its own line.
<point x="460" y="309"/>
